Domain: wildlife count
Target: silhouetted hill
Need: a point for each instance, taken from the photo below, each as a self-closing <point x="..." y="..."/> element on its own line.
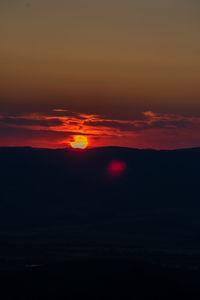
<point x="40" y="182"/>
<point x="153" y="179"/>
<point x="158" y="191"/>
<point x="64" y="205"/>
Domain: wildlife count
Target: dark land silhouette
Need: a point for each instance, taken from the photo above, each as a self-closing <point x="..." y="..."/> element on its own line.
<point x="69" y="228"/>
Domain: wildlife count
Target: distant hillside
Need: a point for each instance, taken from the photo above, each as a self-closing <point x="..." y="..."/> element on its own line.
<point x="67" y="178"/>
<point x="56" y="204"/>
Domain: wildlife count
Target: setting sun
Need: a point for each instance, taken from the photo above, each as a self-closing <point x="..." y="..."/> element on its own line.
<point x="80" y="142"/>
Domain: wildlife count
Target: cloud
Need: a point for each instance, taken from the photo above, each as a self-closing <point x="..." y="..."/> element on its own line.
<point x="153" y="130"/>
<point x="151" y="120"/>
<point x="123" y="126"/>
<point x="15" y="132"/>
<point x="65" y="113"/>
<point x="59" y="110"/>
<point x="20" y="121"/>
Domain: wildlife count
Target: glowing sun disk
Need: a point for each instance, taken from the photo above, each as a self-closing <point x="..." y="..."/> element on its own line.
<point x="80" y="142"/>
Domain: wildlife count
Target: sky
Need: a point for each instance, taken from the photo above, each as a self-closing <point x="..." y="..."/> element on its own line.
<point x="121" y="72"/>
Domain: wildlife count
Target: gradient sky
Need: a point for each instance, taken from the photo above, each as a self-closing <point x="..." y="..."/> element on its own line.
<point x="123" y="72"/>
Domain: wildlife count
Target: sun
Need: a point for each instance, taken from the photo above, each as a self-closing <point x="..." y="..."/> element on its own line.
<point x="80" y="142"/>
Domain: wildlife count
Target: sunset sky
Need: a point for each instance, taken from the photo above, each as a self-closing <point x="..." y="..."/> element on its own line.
<point x="121" y="72"/>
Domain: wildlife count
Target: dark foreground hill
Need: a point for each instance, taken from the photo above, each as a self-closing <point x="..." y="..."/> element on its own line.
<point x="64" y="214"/>
<point x="39" y="185"/>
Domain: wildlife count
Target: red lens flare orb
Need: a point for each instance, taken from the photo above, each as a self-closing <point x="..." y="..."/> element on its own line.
<point x="116" y="168"/>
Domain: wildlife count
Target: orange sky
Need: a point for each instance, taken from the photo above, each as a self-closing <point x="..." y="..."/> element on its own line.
<point x="57" y="128"/>
<point x="114" y="60"/>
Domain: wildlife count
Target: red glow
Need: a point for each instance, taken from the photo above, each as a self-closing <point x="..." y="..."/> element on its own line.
<point x="116" y="168"/>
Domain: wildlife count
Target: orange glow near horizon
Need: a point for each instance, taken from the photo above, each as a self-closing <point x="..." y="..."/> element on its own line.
<point x="80" y="142"/>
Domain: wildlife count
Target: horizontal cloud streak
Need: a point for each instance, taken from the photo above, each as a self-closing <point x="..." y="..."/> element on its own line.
<point x="56" y="129"/>
<point x="31" y="122"/>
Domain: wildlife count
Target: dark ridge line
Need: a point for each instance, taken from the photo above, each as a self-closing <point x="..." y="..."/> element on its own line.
<point x="97" y="148"/>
